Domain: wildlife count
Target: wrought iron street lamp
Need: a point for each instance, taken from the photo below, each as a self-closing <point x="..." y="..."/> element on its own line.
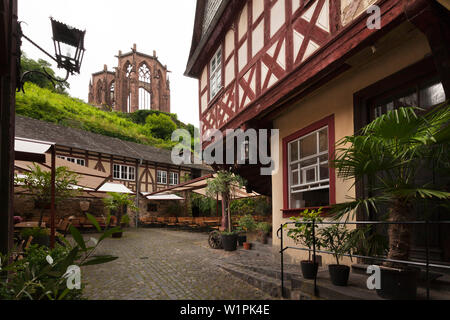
<point x="69" y="51"/>
<point x="69" y="46"/>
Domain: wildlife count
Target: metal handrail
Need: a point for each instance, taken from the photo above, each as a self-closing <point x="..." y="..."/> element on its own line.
<point x="314" y="250"/>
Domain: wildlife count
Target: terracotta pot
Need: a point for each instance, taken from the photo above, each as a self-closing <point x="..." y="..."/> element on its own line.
<point x="242" y="239"/>
<point x="247" y="246"/>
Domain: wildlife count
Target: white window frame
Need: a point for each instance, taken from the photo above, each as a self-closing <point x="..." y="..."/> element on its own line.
<point x="161" y="177"/>
<point x="78" y="161"/>
<point x="318" y="184"/>
<point x="172" y="180"/>
<point x="123" y="172"/>
<point x="215" y="74"/>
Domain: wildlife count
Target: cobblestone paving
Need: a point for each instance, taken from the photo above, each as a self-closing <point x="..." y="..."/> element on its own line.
<point x="161" y="264"/>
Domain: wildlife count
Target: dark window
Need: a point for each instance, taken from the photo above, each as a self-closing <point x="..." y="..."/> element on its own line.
<point x="423" y="94"/>
<point x="151" y="207"/>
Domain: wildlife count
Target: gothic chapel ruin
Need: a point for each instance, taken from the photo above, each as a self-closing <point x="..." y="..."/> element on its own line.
<point x="139" y="82"/>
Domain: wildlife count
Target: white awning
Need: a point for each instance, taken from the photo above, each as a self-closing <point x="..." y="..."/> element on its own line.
<point x="164" y="197"/>
<point x="31" y="146"/>
<point x="114" y="187"/>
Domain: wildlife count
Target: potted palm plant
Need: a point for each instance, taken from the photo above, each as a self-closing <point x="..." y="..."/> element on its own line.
<point x="337" y="239"/>
<point x="303" y="233"/>
<point x="225" y="183"/>
<point x="391" y="153"/>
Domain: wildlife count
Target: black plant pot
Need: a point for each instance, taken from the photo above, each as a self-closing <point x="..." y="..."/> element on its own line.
<point x="117" y="235"/>
<point x="339" y="274"/>
<point x="399" y="284"/>
<point x="229" y="242"/>
<point x="309" y="269"/>
<point x="241" y="239"/>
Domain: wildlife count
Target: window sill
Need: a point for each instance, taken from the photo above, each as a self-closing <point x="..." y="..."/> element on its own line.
<point x="288" y="213"/>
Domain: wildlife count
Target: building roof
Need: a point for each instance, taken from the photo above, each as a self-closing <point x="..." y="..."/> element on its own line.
<point x="85" y="140"/>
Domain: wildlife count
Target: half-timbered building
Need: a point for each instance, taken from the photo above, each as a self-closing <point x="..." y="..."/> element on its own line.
<point x="141" y="168"/>
<point x="316" y="70"/>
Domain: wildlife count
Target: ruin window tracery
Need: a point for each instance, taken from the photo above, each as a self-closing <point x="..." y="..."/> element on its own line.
<point x="145" y="98"/>
<point x="111" y="93"/>
<point x="99" y="92"/>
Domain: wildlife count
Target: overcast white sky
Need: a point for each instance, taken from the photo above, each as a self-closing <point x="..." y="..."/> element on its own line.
<point x="112" y="25"/>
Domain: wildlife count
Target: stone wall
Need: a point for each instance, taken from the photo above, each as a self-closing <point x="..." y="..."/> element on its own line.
<point x="25" y="207"/>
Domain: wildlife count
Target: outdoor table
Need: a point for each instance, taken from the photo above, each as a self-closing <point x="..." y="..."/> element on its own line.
<point x="23" y="225"/>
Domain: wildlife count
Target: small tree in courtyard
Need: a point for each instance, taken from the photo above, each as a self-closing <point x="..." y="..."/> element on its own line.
<point x="224" y="184"/>
<point x="38" y="183"/>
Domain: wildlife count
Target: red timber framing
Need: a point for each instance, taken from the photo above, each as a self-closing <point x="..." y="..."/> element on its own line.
<point x="328" y="121"/>
<point x="306" y="45"/>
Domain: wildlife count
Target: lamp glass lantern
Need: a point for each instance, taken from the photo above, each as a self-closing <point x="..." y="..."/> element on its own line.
<point x="69" y="46"/>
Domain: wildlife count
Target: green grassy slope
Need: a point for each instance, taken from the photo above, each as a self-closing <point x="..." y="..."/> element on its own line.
<point x="43" y="104"/>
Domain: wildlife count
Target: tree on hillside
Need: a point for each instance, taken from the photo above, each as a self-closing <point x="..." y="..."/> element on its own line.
<point x="160" y="126"/>
<point x="28" y="64"/>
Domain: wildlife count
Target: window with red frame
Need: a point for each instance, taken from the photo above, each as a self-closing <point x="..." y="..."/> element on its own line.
<point x="309" y="182"/>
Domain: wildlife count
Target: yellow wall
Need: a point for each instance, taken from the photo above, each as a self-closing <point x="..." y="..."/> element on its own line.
<point x="337" y="98"/>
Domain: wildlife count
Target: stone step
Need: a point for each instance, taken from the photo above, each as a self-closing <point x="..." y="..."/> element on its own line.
<point x="263" y="282"/>
<point x="273" y="271"/>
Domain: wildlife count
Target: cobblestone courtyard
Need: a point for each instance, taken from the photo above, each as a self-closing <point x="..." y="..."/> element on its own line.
<point x="160" y="264"/>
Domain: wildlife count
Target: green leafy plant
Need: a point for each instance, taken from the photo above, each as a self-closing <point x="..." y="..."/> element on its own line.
<point x="228" y="233"/>
<point x="337" y="239"/>
<point x="264" y="227"/>
<point x="160" y="126"/>
<point x="38" y="183"/>
<point x="305" y="228"/>
<point x="391" y="154"/>
<point x="117" y="202"/>
<point x="206" y="205"/>
<point x="28" y="64"/>
<point x="368" y="242"/>
<point x="247" y="223"/>
<point x="125" y="219"/>
<point x="42" y="273"/>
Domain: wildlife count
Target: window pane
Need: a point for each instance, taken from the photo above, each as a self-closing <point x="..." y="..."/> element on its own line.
<point x="308" y="146"/>
<point x="316" y="198"/>
<point x="294" y="178"/>
<point x="310" y="175"/>
<point x="324" y="172"/>
<point x="308" y="163"/>
<point x="432" y="95"/>
<point x="323" y="140"/>
<point x="294" y="151"/>
<point x="407" y="101"/>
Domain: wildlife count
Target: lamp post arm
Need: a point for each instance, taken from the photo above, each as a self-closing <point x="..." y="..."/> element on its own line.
<point x="37" y="46"/>
<point x="45" y="74"/>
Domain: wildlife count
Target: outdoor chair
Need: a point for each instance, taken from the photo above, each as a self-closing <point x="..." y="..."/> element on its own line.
<point x="160" y="221"/>
<point x="172" y="221"/>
